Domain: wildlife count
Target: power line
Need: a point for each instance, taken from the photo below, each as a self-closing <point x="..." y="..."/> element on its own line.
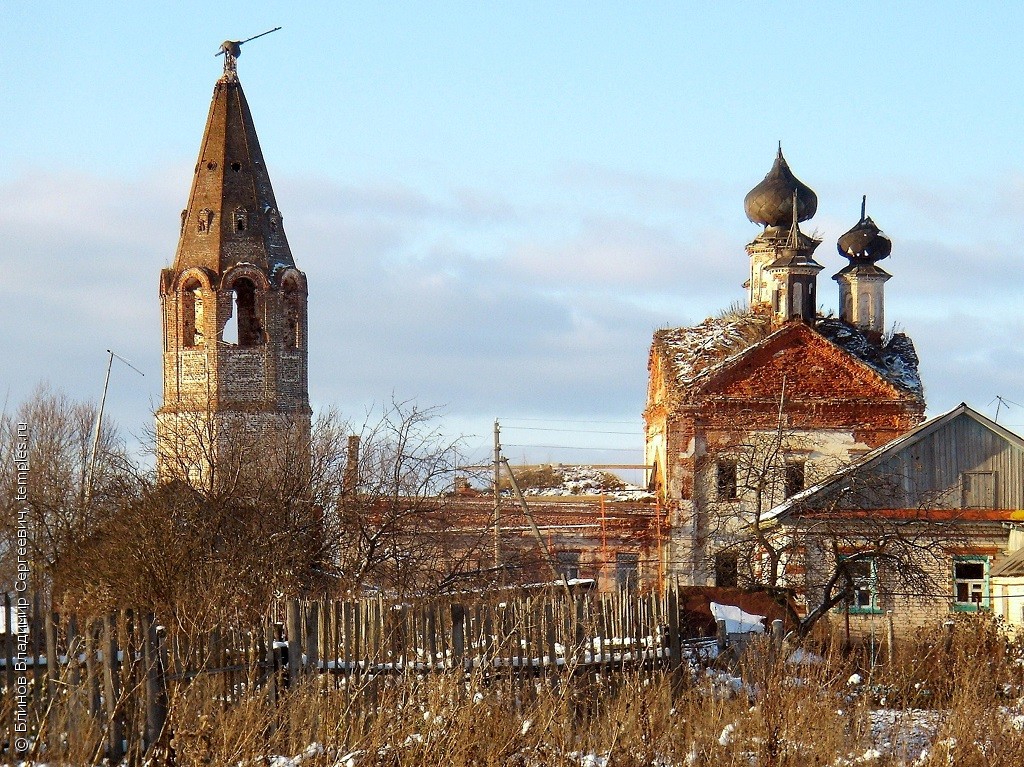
<point x="570" y="420"/>
<point x="567" y="431"/>
<point x="576" y="447"/>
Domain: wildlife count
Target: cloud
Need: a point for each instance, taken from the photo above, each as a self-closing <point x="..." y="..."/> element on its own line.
<point x="490" y="301"/>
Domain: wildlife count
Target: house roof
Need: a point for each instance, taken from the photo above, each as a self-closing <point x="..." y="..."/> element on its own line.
<point x="697" y="353"/>
<point x="1011" y="567"/>
<point x="884" y="451"/>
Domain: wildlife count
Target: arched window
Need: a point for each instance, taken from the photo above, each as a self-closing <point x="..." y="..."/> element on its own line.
<point x="192" y="315"/>
<point x="243" y="326"/>
<point x="241" y="219"/>
<point x="293" y="314"/>
<point x="798" y="300"/>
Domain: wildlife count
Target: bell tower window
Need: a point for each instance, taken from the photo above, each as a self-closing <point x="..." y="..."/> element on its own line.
<point x="192" y="316"/>
<point x="243" y="327"/>
<point x="204" y="221"/>
<point x="293" y="315"/>
<point x="241" y="220"/>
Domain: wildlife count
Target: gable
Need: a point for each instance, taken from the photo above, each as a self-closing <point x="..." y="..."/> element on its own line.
<point x="812" y="367"/>
<point x="926" y="468"/>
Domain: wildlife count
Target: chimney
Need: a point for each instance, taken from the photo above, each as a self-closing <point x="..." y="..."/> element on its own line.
<point x="350" y="483"/>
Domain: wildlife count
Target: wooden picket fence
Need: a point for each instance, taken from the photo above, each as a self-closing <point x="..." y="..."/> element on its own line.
<point x="122" y="671"/>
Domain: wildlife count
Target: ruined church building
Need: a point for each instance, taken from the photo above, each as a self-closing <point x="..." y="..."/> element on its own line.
<point x="749" y="408"/>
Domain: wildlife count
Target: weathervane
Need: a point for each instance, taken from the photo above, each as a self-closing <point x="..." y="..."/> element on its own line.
<point x="232" y="49"/>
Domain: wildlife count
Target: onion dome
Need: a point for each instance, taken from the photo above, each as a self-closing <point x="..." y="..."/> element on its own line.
<point x="865" y="241"/>
<point x="770" y="203"/>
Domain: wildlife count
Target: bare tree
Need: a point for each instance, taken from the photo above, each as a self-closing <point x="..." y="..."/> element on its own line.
<point x="65" y="501"/>
<point x="396" y="521"/>
<point x="831" y="549"/>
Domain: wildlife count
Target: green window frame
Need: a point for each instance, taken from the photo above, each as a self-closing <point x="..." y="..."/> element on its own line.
<point x="972" y="590"/>
<point x="865" y="583"/>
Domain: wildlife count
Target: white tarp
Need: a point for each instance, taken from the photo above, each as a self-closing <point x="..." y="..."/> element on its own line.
<point x="737" y="621"/>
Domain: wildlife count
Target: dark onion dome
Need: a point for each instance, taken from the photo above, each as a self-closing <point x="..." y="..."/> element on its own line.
<point x="865" y="242"/>
<point x="770" y="203"/>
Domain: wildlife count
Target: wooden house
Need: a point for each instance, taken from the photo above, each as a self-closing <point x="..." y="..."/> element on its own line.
<point x="925" y="521"/>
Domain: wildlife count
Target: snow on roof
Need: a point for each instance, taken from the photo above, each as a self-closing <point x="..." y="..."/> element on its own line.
<point x="699" y="350"/>
<point x="896" y="360"/>
<point x="693" y="351"/>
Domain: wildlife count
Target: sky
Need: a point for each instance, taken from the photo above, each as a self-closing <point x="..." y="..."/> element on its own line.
<point x="497" y="204"/>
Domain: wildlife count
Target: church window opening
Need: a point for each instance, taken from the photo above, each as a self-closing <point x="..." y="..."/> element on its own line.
<point x="241" y="220"/>
<point x="192" y="315"/>
<point x="725" y="480"/>
<point x="627" y="571"/>
<point x="568" y="564"/>
<point x="727" y="569"/>
<point x="795" y="476"/>
<point x="293" y="315"/>
<point x="798" y="300"/>
<point x="243" y="327"/>
<point x="236" y="166"/>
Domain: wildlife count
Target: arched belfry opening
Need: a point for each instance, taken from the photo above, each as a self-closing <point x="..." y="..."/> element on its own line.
<point x="243" y="327"/>
<point x="192" y="315"/>
<point x="294" y="305"/>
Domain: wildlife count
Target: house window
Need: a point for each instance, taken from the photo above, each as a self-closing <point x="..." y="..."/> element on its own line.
<point x="970" y="583"/>
<point x="627" y="571"/>
<point x="727" y="570"/>
<point x="725" y="479"/>
<point x="979" y="489"/>
<point x="864" y="577"/>
<point x="794" y="478"/>
<point x="568" y="564"/>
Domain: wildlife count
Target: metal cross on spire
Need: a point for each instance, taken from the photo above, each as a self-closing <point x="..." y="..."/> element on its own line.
<point x="232" y="49"/>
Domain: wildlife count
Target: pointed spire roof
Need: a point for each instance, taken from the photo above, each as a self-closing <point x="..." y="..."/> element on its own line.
<point x="232" y="215"/>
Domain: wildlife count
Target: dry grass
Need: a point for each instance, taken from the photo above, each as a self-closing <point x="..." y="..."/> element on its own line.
<point x="759" y="711"/>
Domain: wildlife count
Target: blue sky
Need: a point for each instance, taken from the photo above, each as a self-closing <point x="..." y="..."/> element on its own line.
<point x="496" y="204"/>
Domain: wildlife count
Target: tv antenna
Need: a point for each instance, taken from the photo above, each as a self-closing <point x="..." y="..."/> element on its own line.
<point x="99" y="420"/>
<point x="232" y="49"/>
<point x="1003" y="401"/>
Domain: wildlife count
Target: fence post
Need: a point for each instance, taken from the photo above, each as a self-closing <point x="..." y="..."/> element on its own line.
<point x="52" y="669"/>
<point x="294" y="619"/>
<point x="777" y="635"/>
<point x="156" y="683"/>
<point x="458" y="635"/>
<point x="312" y="638"/>
<point x="111" y="691"/>
<point x="10" y="622"/>
<point x="890" y="637"/>
<point x="722" y="634"/>
<point x="674" y="640"/>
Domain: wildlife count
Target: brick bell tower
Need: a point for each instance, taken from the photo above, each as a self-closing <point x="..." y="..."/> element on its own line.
<point x="235" y="336"/>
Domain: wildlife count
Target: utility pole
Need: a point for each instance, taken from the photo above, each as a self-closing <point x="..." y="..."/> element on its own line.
<point x="497" y="495"/>
<point x="99" y="421"/>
